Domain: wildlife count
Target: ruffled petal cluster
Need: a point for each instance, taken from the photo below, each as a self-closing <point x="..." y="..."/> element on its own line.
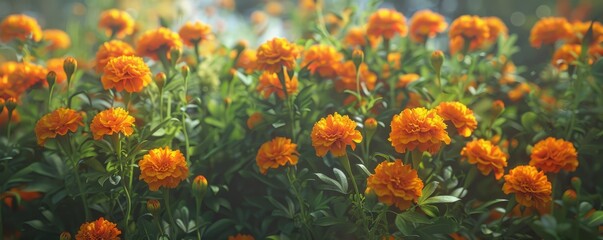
<point x="531" y="187"/>
<point x="553" y="155"/>
<point x="347" y="77"/>
<point x="278" y="152"/>
<point x="112" y="49"/>
<point x="19" y="26"/>
<point x="158" y="41"/>
<point x="395" y="184"/>
<point x="193" y="33"/>
<point x="163" y="167"/>
<point x="57" y="39"/>
<point x="418" y="128"/>
<point x="269" y="83"/>
<point x="99" y="229"/>
<point x="386" y="23"/>
<point x="426" y="24"/>
<point x="549" y="30"/>
<point x="111" y="121"/>
<point x="334" y="133"/>
<point x="57" y="122"/>
<point x="460" y="115"/>
<point x="127" y="73"/>
<point x="275" y="54"/>
<point x="486" y="156"/>
<point x="566" y="55"/>
<point x="116" y="22"/>
<point x="16" y="78"/>
<point x="322" y="60"/>
<point x="469" y="28"/>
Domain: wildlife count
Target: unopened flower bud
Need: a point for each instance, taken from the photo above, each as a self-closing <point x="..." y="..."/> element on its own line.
<point x="370" y="123"/>
<point x="199" y="187"/>
<point x="241" y="45"/>
<point x="69" y="66"/>
<point x="569" y="196"/>
<point x="185" y="70"/>
<point x="437" y="59"/>
<point x="160" y="79"/>
<point x="11" y="104"/>
<point x="576" y="182"/>
<point x="357" y="57"/>
<point x="51" y="78"/>
<point x="65" y="236"/>
<point x="498" y="107"/>
<point x="153" y="206"/>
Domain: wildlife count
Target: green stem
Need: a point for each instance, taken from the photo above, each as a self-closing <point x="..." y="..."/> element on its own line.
<point x="68" y="150"/>
<point x="81" y="188"/>
<point x="345" y="161"/>
<point x="416" y="159"/>
<point x="184" y="130"/>
<point x="302" y="207"/>
<point x="1" y="222"/>
<point x="128" y="211"/>
<point x="358" y="88"/>
<point x="289" y="101"/>
<point x="553" y="194"/>
<point x="197" y="57"/>
<point x="50" y="97"/>
<point x="173" y="227"/>
<point x="161" y="104"/>
<point x="8" y="124"/>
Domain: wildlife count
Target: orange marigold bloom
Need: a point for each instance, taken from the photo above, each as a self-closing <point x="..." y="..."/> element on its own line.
<point x="549" y="30"/>
<point x="275" y="54"/>
<point x="163" y="167"/>
<point x="116" y="22"/>
<point x="247" y="60"/>
<point x="355" y="37"/>
<point x="531" y="187"/>
<point x="57" y="39"/>
<point x="193" y="33"/>
<point x="552" y="155"/>
<point x="386" y="23"/>
<point x="426" y="24"/>
<point x="158" y="41"/>
<point x="269" y="83"/>
<point x="255" y="119"/>
<point x="395" y="184"/>
<point x="59" y="122"/>
<point x="25" y="196"/>
<point x="405" y="79"/>
<point x="566" y="55"/>
<point x="112" y="49"/>
<point x="275" y="153"/>
<point x="128" y="73"/>
<point x="99" y="229"/>
<point x="21" y="27"/>
<point x="110" y="121"/>
<point x="418" y="128"/>
<point x="56" y="65"/>
<point x="580" y="30"/>
<point x="487" y="156"/>
<point x="241" y="237"/>
<point x="496" y="27"/>
<point x="322" y="59"/>
<point x="16" y="78"/>
<point x="460" y="115"/>
<point x="334" y="133"/>
<point x="468" y="28"/>
<point x="519" y="91"/>
<point x="347" y="77"/>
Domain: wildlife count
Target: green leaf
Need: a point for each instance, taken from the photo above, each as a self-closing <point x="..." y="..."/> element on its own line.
<point x="596" y="219"/>
<point x="413" y="217"/>
<point x="427" y="191"/>
<point x="528" y="120"/>
<point x="343" y="180"/>
<point x="441" y="199"/>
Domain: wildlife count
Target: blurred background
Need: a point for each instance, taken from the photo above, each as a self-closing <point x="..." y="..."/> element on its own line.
<point x="259" y="20"/>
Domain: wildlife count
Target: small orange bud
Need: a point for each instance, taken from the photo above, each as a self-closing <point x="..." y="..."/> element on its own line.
<point x="569" y="196"/>
<point x="69" y="66"/>
<point x="153" y="206"/>
<point x="498" y="107"/>
<point x="358" y="57"/>
<point x="11" y="104"/>
<point x="437" y="59"/>
<point x="185" y="70"/>
<point x="255" y="119"/>
<point x="199" y="186"/>
<point x="370" y="123"/>
<point x="65" y="236"/>
<point x="160" y="79"/>
<point x="51" y="78"/>
<point x="576" y="182"/>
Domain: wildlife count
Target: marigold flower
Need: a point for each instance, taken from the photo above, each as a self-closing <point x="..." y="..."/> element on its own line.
<point x="99" y="229"/>
<point x="356" y="37"/>
<point x="21" y="27"/>
<point x="418" y="128"/>
<point x="16" y="78"/>
<point x="519" y="91"/>
<point x="163" y="167"/>
<point x="549" y="30"/>
<point x="153" y="206"/>
<point x="56" y="65"/>
<point x="566" y="55"/>
<point x="322" y="60"/>
<point x="241" y="237"/>
<point x="334" y="133"/>
<point x="386" y="23"/>
<point x="405" y="79"/>
<point x="426" y="24"/>
<point x="158" y="41"/>
<point x="199" y="186"/>
<point x="59" y="122"/>
<point x="468" y="28"/>
<point x="247" y="60"/>
<point x="553" y="155"/>
<point x="486" y="156"/>
<point x="193" y="33"/>
<point x="57" y="39"/>
<point x="26" y="196"/>
<point x="395" y="184"/>
<point x="275" y="153"/>
<point x="275" y="54"/>
<point x="347" y="77"/>
<point x="581" y="28"/>
<point x="531" y="187"/>
<point x="111" y="121"/>
<point x="460" y="115"/>
<point x="112" y="49"/>
<point x="255" y="119"/>
<point x="116" y="22"/>
<point x="128" y="73"/>
<point x="269" y="83"/>
<point x="496" y="27"/>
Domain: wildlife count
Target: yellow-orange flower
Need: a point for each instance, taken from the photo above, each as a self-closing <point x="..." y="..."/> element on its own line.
<point x="486" y="156"/>
<point x="247" y="60"/>
<point x="21" y="27"/>
<point x="158" y="41"/>
<point x="275" y="153"/>
<point x="56" y="65"/>
<point x="57" y="39"/>
<point x="395" y="184"/>
<point x="519" y="91"/>
<point x="553" y="155"/>
<point x="334" y="133"/>
<point x="269" y="83"/>
<point x="111" y="121"/>
<point x="496" y="27"/>
<point x="322" y="60"/>
<point x="275" y="54"/>
<point x="566" y="55"/>
<point x="418" y="128"/>
<point x="426" y="24"/>
<point x="116" y="22"/>
<point x="468" y="28"/>
<point x="112" y="49"/>
<point x="580" y="29"/>
<point x="58" y="122"/>
<point x="549" y="30"/>
<point x="355" y="37"/>
<point x="460" y="115"/>
<point x="255" y="119"/>
<point x="193" y="33"/>
<point x="386" y="23"/>
<point x="16" y="78"/>
<point x="347" y="77"/>
<point x="99" y="229"/>
<point x="163" y="167"/>
<point x="241" y="237"/>
<point x="405" y="79"/>
<point x="128" y="73"/>
<point x="531" y="187"/>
